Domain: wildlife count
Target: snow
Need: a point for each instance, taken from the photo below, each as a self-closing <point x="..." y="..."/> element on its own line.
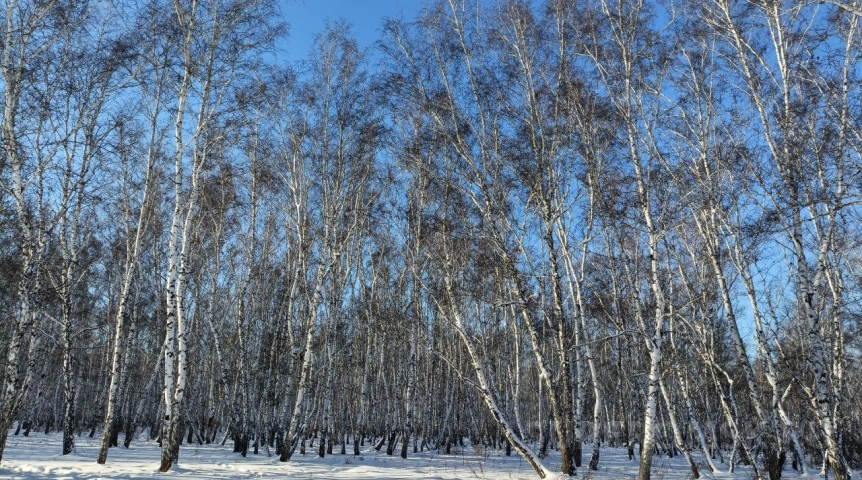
<point x="37" y="457"/>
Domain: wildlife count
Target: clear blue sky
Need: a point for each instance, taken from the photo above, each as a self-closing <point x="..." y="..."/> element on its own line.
<point x="307" y="18"/>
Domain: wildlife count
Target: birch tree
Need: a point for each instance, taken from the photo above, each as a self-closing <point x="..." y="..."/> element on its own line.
<point x="331" y="179"/>
<point x="217" y="42"/>
<point x="31" y="29"/>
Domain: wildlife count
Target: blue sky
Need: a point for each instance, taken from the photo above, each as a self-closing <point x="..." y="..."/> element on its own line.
<point x="307" y="18"/>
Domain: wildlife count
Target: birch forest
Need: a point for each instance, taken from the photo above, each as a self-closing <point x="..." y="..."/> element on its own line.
<point x="546" y="227"/>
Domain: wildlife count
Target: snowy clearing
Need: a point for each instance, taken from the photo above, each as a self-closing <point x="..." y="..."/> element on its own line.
<point x="37" y="456"/>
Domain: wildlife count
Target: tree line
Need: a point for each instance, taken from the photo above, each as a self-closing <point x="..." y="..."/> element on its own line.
<point x="529" y="226"/>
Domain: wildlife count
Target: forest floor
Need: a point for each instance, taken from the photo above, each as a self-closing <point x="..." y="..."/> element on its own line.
<point x="37" y="457"/>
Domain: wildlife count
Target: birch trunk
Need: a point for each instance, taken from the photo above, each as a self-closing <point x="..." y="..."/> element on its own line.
<point x="677" y="433"/>
<point x="487" y="394"/>
<point x="408" y="396"/>
<point x="290" y="437"/>
<point x="173" y="273"/>
<point x="822" y="395"/>
<point x="132" y="425"/>
<point x="68" y="383"/>
<point x="132" y="254"/>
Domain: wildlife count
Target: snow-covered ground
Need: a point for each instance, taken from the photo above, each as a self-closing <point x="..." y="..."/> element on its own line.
<point x="37" y="457"/>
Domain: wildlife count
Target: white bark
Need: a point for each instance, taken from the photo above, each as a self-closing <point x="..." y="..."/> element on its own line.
<point x="17" y="54"/>
<point x="132" y="254"/>
<point x="290" y="436"/>
<point x="488" y="395"/>
<point x="677" y="433"/>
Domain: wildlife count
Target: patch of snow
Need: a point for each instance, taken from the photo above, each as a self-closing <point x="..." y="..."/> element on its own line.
<point x="37" y="457"/>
